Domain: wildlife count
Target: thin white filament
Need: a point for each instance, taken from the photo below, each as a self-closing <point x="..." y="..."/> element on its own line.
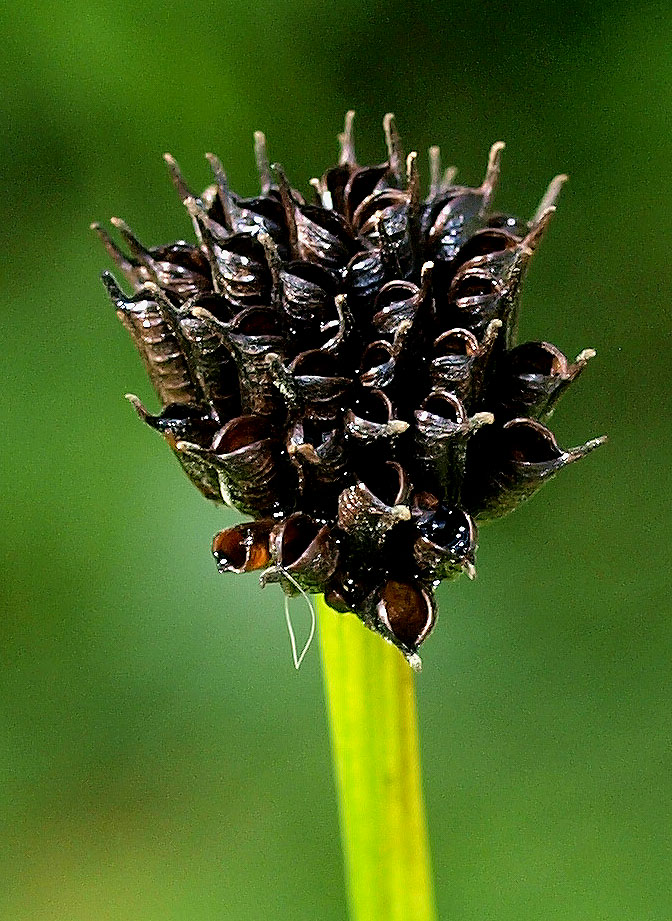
<point x="298" y="659"/>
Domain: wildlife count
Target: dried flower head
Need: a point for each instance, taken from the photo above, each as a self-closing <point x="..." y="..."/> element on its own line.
<point x="344" y="371"/>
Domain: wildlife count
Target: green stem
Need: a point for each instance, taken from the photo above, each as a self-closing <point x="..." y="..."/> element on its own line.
<point x="374" y="732"/>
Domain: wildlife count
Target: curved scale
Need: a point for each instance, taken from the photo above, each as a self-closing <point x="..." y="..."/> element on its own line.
<point x="513" y="462"/>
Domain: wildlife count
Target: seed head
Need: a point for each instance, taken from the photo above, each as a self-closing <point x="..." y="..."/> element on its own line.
<point x="344" y="371"/>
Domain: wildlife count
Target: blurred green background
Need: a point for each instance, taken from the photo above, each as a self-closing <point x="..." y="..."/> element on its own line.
<point x="160" y="759"/>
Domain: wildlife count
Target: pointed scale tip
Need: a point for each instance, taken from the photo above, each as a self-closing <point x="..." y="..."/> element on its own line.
<point x="323" y="194"/>
<point x="491" y="333"/>
<point x="199" y="215"/>
<point x="412" y="167"/>
<point x="394" y="150"/>
<point x="188" y="447"/>
<point x="219" y="173"/>
<point x="263" y="167"/>
<point x="134" y="244"/>
<point x="217" y="168"/>
<point x="426" y="277"/>
<point x="216" y="324"/>
<point x="272" y="258"/>
<point x="478" y="420"/>
<point x="538" y="229"/>
<point x="278" y="170"/>
<point x="584" y="356"/>
<point x="427" y="268"/>
<point x="151" y="287"/>
<point x="495" y="156"/>
<point x="492" y="172"/>
<point x="113" y="289"/>
<point x="183" y="189"/>
<point x="172" y="164"/>
<point x="549" y="198"/>
<point x="202" y="314"/>
<point x="449" y="175"/>
<point x="285" y="189"/>
<point x="439" y="181"/>
<point x="587" y="448"/>
<point x="413" y="192"/>
<point x="193" y="207"/>
<point x="288" y="205"/>
<point x="121" y="224"/>
<point x="223" y="192"/>
<point x="117" y="255"/>
<point x="347" y="141"/>
<point x="137" y="405"/>
<point x="434" y="156"/>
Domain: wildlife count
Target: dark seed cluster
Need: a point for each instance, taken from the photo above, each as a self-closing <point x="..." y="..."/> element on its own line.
<point x="344" y="371"/>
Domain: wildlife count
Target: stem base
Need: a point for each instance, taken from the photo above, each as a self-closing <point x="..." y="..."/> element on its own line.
<point x="370" y="694"/>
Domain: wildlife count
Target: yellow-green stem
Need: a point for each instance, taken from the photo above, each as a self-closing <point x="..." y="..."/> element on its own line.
<point x="374" y="732"/>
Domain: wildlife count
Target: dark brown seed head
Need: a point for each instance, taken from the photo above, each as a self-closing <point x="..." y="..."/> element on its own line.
<point x="344" y="371"/>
